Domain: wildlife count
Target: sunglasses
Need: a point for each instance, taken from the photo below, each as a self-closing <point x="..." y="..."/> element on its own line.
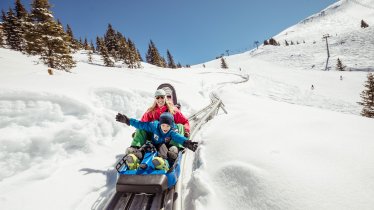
<point x="158" y="97"/>
<point x="168" y="96"/>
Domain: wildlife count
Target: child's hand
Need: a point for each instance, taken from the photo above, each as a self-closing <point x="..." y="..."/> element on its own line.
<point x="192" y="145"/>
<point x="123" y="118"/>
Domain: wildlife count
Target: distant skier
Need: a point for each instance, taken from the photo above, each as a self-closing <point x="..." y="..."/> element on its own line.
<point x="312" y="87"/>
<point x="341" y="77"/>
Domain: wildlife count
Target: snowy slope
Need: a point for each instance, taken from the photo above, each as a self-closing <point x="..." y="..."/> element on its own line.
<point x="281" y="145"/>
<point x="348" y="41"/>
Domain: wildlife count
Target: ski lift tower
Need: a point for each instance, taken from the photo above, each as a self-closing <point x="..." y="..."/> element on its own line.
<point x="326" y="36"/>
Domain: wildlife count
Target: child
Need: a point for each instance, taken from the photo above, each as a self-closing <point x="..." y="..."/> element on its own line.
<point x="163" y="131"/>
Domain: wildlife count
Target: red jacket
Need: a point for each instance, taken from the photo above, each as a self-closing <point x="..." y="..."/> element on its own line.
<point x="179" y="118"/>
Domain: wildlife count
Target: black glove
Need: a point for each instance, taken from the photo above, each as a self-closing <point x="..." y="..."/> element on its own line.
<point x="147" y="147"/>
<point x="192" y="145"/>
<point x="187" y="134"/>
<point x="123" y="118"/>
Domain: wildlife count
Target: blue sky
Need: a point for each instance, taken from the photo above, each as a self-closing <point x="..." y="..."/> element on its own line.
<point x="194" y="31"/>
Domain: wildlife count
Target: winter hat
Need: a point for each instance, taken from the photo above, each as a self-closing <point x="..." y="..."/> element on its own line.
<point x="160" y="92"/>
<point x="168" y="92"/>
<point x="167" y="118"/>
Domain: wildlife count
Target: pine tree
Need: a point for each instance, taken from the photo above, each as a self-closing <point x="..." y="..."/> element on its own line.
<point x="12" y="29"/>
<point x="286" y="42"/>
<point x="92" y="47"/>
<point x="73" y="43"/>
<point x="364" y="24"/>
<point x="124" y="51"/>
<point x="153" y="56"/>
<point x="80" y="43"/>
<point x="48" y="37"/>
<point x="118" y="37"/>
<point x="85" y="44"/>
<point x="98" y="44"/>
<point x="3" y="26"/>
<point x="368" y="97"/>
<point x="89" y="54"/>
<point x="171" y="63"/>
<point x="340" y="66"/>
<point x="134" y="58"/>
<point x="22" y="23"/>
<point x="1" y="36"/>
<point x="111" y="41"/>
<point x="273" y="42"/>
<point x="163" y="62"/>
<point x="223" y="64"/>
<point x="139" y="56"/>
<point x="59" y="22"/>
<point x="20" y="10"/>
<point x="105" y="54"/>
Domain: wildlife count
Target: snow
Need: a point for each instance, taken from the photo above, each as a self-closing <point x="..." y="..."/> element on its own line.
<point x="282" y="145"/>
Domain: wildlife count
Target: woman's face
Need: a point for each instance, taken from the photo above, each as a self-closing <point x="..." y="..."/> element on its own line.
<point x="160" y="100"/>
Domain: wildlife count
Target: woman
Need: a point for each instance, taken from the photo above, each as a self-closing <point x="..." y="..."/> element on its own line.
<point x="159" y="106"/>
<point x="162" y="130"/>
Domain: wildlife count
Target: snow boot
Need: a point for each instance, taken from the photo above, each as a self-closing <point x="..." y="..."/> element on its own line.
<point x="132" y="161"/>
<point x="160" y="163"/>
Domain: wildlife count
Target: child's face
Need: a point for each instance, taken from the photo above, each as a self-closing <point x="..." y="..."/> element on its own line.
<point x="165" y="128"/>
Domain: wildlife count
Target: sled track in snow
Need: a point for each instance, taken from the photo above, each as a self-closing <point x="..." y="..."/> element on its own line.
<point x="169" y="199"/>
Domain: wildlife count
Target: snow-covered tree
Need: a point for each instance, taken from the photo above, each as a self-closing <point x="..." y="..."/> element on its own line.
<point x="111" y="41"/>
<point x="105" y="54"/>
<point x="1" y="36"/>
<point x="223" y="64"/>
<point x="339" y="65"/>
<point x="367" y="97"/>
<point x="89" y="54"/>
<point x="22" y="23"/>
<point x="12" y="31"/>
<point x="47" y="37"/>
